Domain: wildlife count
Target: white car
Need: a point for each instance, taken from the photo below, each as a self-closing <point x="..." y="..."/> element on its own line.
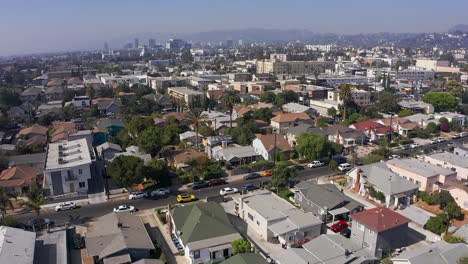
<point x="464" y="134"/>
<point x="160" y="192"/>
<point x="137" y="195"/>
<point x="124" y="208"/>
<point x="415" y="145"/>
<point x="228" y="190"/>
<point x="345" y="167"/>
<point x="315" y="164"/>
<point x="394" y="156"/>
<point x="434" y="141"/>
<point x="66" y="206"/>
<point x="441" y="139"/>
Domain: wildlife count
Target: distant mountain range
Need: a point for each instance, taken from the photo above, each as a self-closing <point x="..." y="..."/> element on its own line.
<point x="460" y="27"/>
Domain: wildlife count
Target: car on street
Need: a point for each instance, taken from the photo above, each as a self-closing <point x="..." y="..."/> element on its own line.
<point x="160" y="192"/>
<point x="434" y="141"/>
<point x="251" y="176"/>
<point x="124" y="208"/>
<point x="394" y="156"/>
<point x="345" y="167"/>
<point x="315" y="164"/>
<point x="346" y="232"/>
<point x="137" y="195"/>
<point x="415" y="145"/>
<point x="216" y="182"/>
<point x="249" y="187"/>
<point x="228" y="190"/>
<point x="185" y="198"/>
<point x="39" y="223"/>
<point x="441" y="139"/>
<point x="456" y="136"/>
<point x="267" y="173"/>
<point x="464" y="134"/>
<point x="199" y="185"/>
<point x="405" y="147"/>
<point x="339" y="226"/>
<point x="297" y="167"/>
<point x="66" y="206"/>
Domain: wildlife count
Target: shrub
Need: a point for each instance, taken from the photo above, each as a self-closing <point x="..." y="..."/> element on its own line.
<point x="406" y="141"/>
<point x="376" y="194"/>
<point x="452" y="239"/>
<point x="437" y="224"/>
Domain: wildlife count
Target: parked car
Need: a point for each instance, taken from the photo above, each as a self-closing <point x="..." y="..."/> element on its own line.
<point x="137" y="195"/>
<point x="199" y="184"/>
<point x="184" y="198"/>
<point x="441" y="139"/>
<point x="315" y="164"/>
<point x="394" y="156"/>
<point x="456" y="136"/>
<point x="249" y="187"/>
<point x="78" y="241"/>
<point x="339" y="226"/>
<point x="124" y="208"/>
<point x="160" y="192"/>
<point x="345" y="167"/>
<point x="66" y="206"/>
<point x="434" y="141"/>
<point x="228" y="190"/>
<point x="464" y="134"/>
<point x="252" y="176"/>
<point x="346" y="232"/>
<point x="267" y="173"/>
<point x="297" y="167"/>
<point x="415" y="145"/>
<point x="216" y="182"/>
<point x="39" y="223"/>
<point x="405" y="147"/>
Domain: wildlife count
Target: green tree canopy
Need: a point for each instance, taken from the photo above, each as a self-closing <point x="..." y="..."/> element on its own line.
<point x="388" y="102"/>
<point x="313" y="146"/>
<point x="126" y="170"/>
<point x="157" y="171"/>
<point x="405" y="113"/>
<point x="441" y="101"/>
<point x="241" y="246"/>
<point x="281" y="176"/>
<point x="285" y="97"/>
<point x="264" y="114"/>
<point x="268" y="97"/>
<point x="455" y="88"/>
<point x="437" y="224"/>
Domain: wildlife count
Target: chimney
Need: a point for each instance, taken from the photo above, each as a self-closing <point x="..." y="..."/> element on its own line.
<point x="357" y="185"/>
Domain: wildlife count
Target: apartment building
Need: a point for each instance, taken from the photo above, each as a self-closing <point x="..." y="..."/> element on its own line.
<point x="360" y="97"/>
<point x="192" y="98"/>
<point x="277" y="67"/>
<point x="413" y="74"/>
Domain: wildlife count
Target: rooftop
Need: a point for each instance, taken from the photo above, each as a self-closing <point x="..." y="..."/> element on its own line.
<point x="451" y="158"/>
<point x="419" y="167"/>
<point x="16" y="245"/>
<point x="380" y="219"/>
<point x="68" y="154"/>
<point x="185" y="90"/>
<point x="438" y="253"/>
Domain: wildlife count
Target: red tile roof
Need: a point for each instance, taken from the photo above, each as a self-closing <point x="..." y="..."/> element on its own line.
<point x="34" y="129"/>
<point x="289" y="117"/>
<point x="268" y="142"/>
<point x="380" y="219"/>
<point x="18" y="176"/>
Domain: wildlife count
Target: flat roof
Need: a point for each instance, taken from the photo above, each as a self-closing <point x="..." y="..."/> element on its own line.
<point x="68" y="154"/>
<point x="419" y="167"/>
<point x="185" y="90"/>
<point x="451" y="158"/>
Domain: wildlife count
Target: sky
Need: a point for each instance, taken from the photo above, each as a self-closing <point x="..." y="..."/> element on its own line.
<point x="32" y="26"/>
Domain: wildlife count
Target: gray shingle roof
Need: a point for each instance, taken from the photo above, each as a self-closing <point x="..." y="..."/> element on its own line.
<point x="326" y="195"/>
<point x="438" y="253"/>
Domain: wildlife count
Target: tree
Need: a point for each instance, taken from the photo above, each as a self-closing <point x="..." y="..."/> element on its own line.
<point x="157" y="171"/>
<point x="454" y="126"/>
<point x="263" y="113"/>
<point x="322" y="121"/>
<point x="187" y="57"/>
<point x="267" y="97"/>
<point x="333" y="165"/>
<point x="455" y="88"/>
<point x="230" y="99"/>
<point x="463" y="260"/>
<point x="150" y="140"/>
<point x="35" y="199"/>
<point x="345" y="96"/>
<point x="241" y="246"/>
<point x="331" y="112"/>
<point x="437" y="224"/>
<point x="388" y="102"/>
<point x="313" y="146"/>
<point x="445" y="198"/>
<point x="453" y="239"/>
<point x="453" y="210"/>
<point x="441" y="101"/>
<point x="444" y="124"/>
<point x="196" y="117"/>
<point x="286" y="96"/>
<point x="5" y="202"/>
<point x="196" y="166"/>
<point x="373" y="159"/>
<point x="126" y="170"/>
<point x="405" y="113"/>
<point x="431" y="128"/>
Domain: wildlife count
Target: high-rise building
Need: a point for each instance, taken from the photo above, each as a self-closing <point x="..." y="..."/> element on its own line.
<point x="240" y="42"/>
<point x="128" y="46"/>
<point x="151" y="43"/>
<point x="106" y="46"/>
<point x="229" y="43"/>
<point x="177" y="45"/>
<point x="136" y="43"/>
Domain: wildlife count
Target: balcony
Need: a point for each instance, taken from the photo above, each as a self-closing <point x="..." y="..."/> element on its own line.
<point x="71" y="177"/>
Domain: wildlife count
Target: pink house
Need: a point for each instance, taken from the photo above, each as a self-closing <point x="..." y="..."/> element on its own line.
<point x="428" y="176"/>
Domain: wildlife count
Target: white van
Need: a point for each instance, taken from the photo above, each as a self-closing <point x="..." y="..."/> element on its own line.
<point x="345" y="167"/>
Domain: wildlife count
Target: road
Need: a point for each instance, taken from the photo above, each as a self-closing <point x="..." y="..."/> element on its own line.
<point x="438" y="146"/>
<point x="88" y="212"/>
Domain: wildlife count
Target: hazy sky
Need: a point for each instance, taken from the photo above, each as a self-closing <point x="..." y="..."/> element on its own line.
<point x="50" y="25"/>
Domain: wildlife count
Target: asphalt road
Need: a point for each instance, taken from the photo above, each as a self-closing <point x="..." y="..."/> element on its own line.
<point x="88" y="212"/>
<point x="438" y="146"/>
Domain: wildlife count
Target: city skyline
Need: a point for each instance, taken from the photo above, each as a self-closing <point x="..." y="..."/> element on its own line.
<point x="52" y="25"/>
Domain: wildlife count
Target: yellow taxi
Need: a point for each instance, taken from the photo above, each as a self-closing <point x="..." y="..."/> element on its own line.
<point x="184" y="198"/>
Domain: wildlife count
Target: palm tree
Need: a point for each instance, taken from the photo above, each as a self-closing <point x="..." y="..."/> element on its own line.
<point x="5" y="202"/>
<point x="35" y="200"/>
<point x="345" y="96"/>
<point x="196" y="116"/>
<point x="229" y="99"/>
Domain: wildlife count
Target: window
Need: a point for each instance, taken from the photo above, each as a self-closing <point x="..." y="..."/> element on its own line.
<point x="250" y="216"/>
<point x="196" y="254"/>
<point x="82" y="184"/>
<point x="80" y="171"/>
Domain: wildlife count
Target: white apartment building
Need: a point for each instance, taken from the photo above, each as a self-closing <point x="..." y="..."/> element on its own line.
<point x="129" y="79"/>
<point x="413" y="74"/>
<point x="68" y="167"/>
<point x="360" y="97"/>
<point x="191" y="97"/>
<point x="432" y="65"/>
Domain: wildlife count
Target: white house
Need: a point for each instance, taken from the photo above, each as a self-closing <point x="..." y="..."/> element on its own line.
<point x="450" y="161"/>
<point x="68" y="167"/>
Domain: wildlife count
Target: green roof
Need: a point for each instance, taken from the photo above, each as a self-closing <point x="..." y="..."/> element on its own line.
<point x="201" y="221"/>
<point x="245" y="258"/>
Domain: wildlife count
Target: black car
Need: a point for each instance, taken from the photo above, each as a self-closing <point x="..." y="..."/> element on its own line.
<point x="249" y="187"/>
<point x="252" y="176"/>
<point x="297" y="167"/>
<point x="199" y="185"/>
<point x="346" y="232"/>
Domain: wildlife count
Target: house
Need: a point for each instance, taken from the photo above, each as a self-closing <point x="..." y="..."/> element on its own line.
<point x="36" y="160"/>
<point x="396" y="190"/>
<point x="379" y="230"/>
<point x="269" y="145"/>
<point x="374" y="131"/>
<point x="114" y="126"/>
<point x="62" y="130"/>
<point x="34" y="130"/>
<point x="345" y="136"/>
<point x="31" y="94"/>
<point x="245" y="258"/>
<point x="108" y="150"/>
<point x="135" y="152"/>
<point x="18" y="114"/>
<point x="294" y="132"/>
<point x="82" y="101"/>
<point x="427" y="176"/>
<point x="190" y="137"/>
<point x="325" y="201"/>
<point x="461" y="150"/>
<point x="107" y="105"/>
<point x="165" y="102"/>
<point x="75" y="83"/>
<point x="204" y="231"/>
<point x="275" y="220"/>
<point x="17" y="246"/>
<point x="118" y="238"/>
<point x="219" y="121"/>
<point x="68" y="167"/>
<point x="18" y="179"/>
<point x="298" y="108"/>
<point x="51" y="247"/>
<point x="283" y="121"/>
<point x="50" y="107"/>
<point x="416" y="106"/>
<point x="235" y="155"/>
<point x="181" y="158"/>
<point x="459" y="192"/>
<point x="439" y="252"/>
<point x="327" y="249"/>
<point x="450" y="161"/>
<point x="54" y="93"/>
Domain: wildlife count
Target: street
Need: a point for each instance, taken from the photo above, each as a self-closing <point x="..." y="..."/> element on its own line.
<point x="88" y="212"/>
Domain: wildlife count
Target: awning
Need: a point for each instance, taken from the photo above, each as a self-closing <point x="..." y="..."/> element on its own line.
<point x="339" y="211"/>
